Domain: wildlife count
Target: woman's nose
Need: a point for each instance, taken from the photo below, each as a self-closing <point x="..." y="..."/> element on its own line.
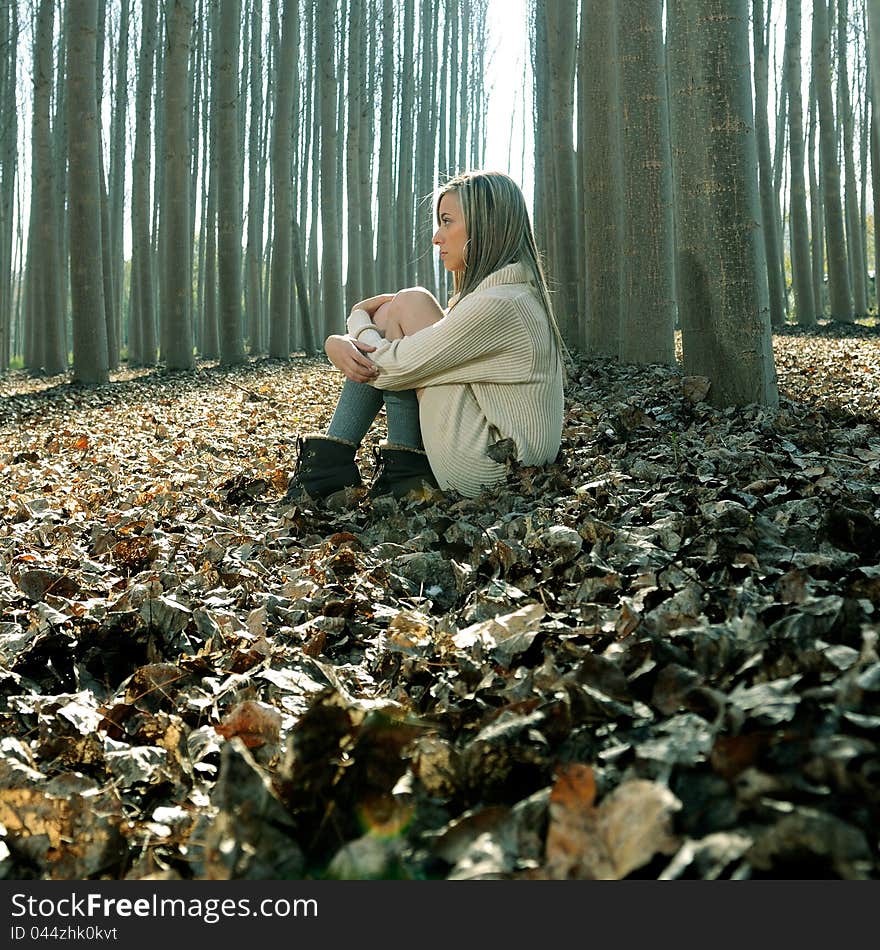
<point x="436" y="238"/>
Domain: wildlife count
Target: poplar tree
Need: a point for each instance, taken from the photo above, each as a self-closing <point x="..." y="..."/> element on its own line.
<point x="90" y="357"/>
<point x="722" y="285"/>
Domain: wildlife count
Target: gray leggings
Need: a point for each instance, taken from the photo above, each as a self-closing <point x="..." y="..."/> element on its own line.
<point x="358" y="406"/>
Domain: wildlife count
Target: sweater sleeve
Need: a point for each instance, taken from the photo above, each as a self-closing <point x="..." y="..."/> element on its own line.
<point x="481" y="340"/>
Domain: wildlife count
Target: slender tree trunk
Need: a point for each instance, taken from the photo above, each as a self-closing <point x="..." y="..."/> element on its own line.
<point x="779" y="163"/>
<point x="313" y="83"/>
<point x="198" y="98"/>
<point x="801" y="263"/>
<point x="333" y="306"/>
<point x="465" y="78"/>
<point x="8" y="172"/>
<point x="356" y="251"/>
<point x="601" y="177"/>
<point x="177" y="332"/>
<point x="405" y="233"/>
<point x="364" y="210"/>
<point x="49" y="349"/>
<point x="647" y="304"/>
<point x="118" y="167"/>
<point x="565" y="248"/>
<point x="257" y="187"/>
<point x="110" y="313"/>
<point x="543" y="132"/>
<point x="769" y="219"/>
<point x="282" y="161"/>
<point x="225" y="106"/>
<point x="425" y="143"/>
<point x="59" y="149"/>
<point x="90" y="358"/>
<point x="386" y="247"/>
<point x="875" y="191"/>
<point x="142" y="318"/>
<point x="855" y="242"/>
<point x="817" y="221"/>
<point x="839" y="292"/>
<point x="723" y="294"/>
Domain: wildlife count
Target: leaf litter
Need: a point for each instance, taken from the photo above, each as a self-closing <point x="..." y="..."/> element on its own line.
<point x="655" y="658"/>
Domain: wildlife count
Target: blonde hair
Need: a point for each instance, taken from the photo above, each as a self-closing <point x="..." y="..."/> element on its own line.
<point x="499" y="232"/>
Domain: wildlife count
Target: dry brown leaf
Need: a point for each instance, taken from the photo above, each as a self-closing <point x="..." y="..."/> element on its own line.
<point x="628" y="828"/>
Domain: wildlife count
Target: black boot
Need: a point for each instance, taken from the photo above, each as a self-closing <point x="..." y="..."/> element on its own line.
<point x="400" y="470"/>
<point x="325" y="465"/>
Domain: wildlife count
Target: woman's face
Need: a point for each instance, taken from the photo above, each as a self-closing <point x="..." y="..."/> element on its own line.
<point x="450" y="236"/>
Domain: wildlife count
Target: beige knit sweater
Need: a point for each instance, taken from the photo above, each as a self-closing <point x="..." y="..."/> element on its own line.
<point x="490" y="371"/>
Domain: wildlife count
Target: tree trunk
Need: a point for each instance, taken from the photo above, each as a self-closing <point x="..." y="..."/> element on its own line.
<point x="769" y="220"/>
<point x="817" y="220"/>
<point x="90" y="362"/>
<point x="723" y="295"/>
<point x="177" y="333"/>
<point x="256" y="190"/>
<point x="801" y="263"/>
<point x="225" y="109"/>
<point x="647" y="306"/>
<point x="600" y="166"/>
<point x="8" y="172"/>
<point x="142" y="317"/>
<point x="839" y="292"/>
<point x="854" y="240"/>
<point x="405" y="233"/>
<point x="118" y="167"/>
<point x="332" y="303"/>
<point x="356" y="76"/>
<point x="386" y="246"/>
<point x="564" y="247"/>
<point x="111" y="316"/>
<point x="282" y="163"/>
<point x="48" y="353"/>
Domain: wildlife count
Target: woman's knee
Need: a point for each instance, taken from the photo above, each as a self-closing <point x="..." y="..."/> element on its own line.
<point x="413" y="309"/>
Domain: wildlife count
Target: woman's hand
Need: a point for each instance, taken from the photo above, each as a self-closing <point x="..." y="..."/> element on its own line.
<point x="372" y="304"/>
<point x="350" y="358"/>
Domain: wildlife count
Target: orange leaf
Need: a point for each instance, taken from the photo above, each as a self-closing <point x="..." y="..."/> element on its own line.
<point x="575" y="786"/>
<point x="254" y="723"/>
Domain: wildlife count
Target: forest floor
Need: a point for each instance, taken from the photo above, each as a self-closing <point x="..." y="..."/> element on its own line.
<point x="656" y="658"/>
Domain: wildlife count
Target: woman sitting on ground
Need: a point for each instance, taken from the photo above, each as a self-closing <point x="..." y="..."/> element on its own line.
<point x="456" y="381"/>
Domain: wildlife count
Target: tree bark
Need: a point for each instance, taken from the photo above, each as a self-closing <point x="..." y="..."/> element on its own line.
<point x="177" y="332"/>
<point x="839" y="290"/>
<point x="600" y="166"/>
<point x="282" y="161"/>
<point x="48" y="350"/>
<point x="854" y="239"/>
<point x="723" y="295"/>
<point x="229" y="215"/>
<point x="647" y="306"/>
<point x="356" y="78"/>
<point x="90" y="358"/>
<point x="802" y="270"/>
<point x="256" y="190"/>
<point x="769" y="219"/>
<point x="386" y="247"/>
<point x="8" y="172"/>
<point x="564" y="246"/>
<point x="142" y="319"/>
<point x="332" y="302"/>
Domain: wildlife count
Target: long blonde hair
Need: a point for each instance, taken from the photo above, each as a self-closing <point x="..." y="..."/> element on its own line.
<point x="499" y="232"/>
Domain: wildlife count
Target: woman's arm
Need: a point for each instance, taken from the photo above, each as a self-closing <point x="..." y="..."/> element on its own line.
<point x="483" y="339"/>
<point x="372" y="304"/>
